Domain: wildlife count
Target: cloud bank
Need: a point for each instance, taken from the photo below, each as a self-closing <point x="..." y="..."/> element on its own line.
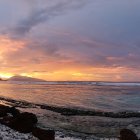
<point x="70" y="39"/>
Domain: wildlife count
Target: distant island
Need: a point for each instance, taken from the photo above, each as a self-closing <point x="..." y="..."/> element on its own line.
<point x="25" y="79"/>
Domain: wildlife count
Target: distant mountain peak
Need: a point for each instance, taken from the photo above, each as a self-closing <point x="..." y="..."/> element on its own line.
<point x="25" y="79"/>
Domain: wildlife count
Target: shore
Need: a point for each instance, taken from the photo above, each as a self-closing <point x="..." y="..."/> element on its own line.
<point x="70" y="126"/>
<point x="86" y="127"/>
<point x="9" y="134"/>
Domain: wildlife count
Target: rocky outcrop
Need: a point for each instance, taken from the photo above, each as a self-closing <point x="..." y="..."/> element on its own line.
<point x="15" y="112"/>
<point x="74" y="111"/>
<point x="126" y="134"/>
<point x="23" y="122"/>
<point x="4" y="110"/>
<point x="43" y="134"/>
<point x="77" y="112"/>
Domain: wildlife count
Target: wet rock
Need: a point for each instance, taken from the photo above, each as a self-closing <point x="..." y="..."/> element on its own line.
<point x="126" y="134"/>
<point x="3" y="107"/>
<point x="43" y="134"/>
<point x="4" y="110"/>
<point x="24" y="122"/>
<point x="6" y="120"/>
<point x="15" y="112"/>
<point x="3" y="113"/>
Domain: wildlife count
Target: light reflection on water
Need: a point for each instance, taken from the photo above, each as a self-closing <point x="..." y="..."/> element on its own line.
<point x="108" y="98"/>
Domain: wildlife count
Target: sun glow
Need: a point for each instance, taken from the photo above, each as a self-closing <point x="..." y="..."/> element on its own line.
<point x="6" y="75"/>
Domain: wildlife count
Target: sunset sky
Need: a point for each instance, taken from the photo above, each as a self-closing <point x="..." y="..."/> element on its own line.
<point x="95" y="40"/>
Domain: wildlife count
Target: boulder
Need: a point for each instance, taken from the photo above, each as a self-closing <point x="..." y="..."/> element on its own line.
<point x="4" y="110"/>
<point x="126" y="134"/>
<point x="3" y="107"/>
<point x="15" y="112"/>
<point x="3" y="113"/>
<point x="24" y="122"/>
<point x="43" y="134"/>
<point x="6" y="120"/>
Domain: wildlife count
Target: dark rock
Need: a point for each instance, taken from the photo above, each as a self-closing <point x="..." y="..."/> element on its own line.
<point x="3" y="107"/>
<point x="24" y="122"/>
<point x="126" y="134"/>
<point x="15" y="112"/>
<point x="6" y="120"/>
<point x="3" y="110"/>
<point x="3" y="113"/>
<point x="28" y="117"/>
<point x="43" y="134"/>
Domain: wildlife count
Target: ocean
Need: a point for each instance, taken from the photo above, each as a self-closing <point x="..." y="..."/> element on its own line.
<point x="99" y="96"/>
<point x="86" y="95"/>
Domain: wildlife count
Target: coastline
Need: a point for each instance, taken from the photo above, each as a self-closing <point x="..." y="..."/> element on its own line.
<point x="7" y="133"/>
<point x="65" y="111"/>
<point x="76" y="126"/>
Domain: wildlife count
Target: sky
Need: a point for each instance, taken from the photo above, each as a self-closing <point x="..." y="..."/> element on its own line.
<point x="61" y="40"/>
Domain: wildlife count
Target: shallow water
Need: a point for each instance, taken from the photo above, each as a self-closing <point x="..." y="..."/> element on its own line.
<point x="77" y="94"/>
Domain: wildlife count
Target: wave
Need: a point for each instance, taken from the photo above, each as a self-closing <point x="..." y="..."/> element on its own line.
<point x="75" y="83"/>
<point x="118" y="84"/>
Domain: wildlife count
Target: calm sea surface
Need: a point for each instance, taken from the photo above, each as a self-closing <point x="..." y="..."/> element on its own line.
<point x="106" y="97"/>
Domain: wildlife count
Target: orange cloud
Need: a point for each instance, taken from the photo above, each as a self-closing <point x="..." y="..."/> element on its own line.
<point x="47" y="62"/>
<point x="9" y="45"/>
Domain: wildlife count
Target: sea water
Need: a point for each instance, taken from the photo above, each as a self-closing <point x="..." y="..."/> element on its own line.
<point x="87" y="95"/>
<point x="103" y="96"/>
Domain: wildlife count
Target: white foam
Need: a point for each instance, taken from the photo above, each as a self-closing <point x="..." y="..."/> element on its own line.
<point x="8" y="134"/>
<point x="117" y="84"/>
<point x="74" y="83"/>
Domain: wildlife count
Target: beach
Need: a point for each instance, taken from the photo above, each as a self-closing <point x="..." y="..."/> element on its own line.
<point x="76" y="122"/>
<point x="75" y="127"/>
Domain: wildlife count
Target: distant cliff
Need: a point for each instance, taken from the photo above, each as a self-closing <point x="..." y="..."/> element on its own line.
<point x="25" y="79"/>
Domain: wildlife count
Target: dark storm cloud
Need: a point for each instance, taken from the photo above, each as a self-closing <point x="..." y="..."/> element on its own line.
<point x="40" y="15"/>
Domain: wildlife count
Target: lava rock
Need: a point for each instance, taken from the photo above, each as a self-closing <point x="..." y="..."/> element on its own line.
<point x="4" y="110"/>
<point x="3" y="107"/>
<point x="43" y="134"/>
<point x="3" y="113"/>
<point x="6" y="120"/>
<point x="126" y="134"/>
<point x="24" y="122"/>
<point x="15" y="112"/>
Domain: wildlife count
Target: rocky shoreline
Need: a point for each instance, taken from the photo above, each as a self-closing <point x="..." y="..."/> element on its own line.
<point x="26" y="122"/>
<point x="74" y="111"/>
<point x="7" y="133"/>
<point x="23" y="122"/>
